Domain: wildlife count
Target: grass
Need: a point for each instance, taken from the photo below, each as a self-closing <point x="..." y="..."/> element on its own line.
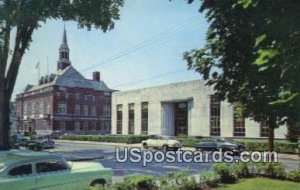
<point x="262" y="184"/>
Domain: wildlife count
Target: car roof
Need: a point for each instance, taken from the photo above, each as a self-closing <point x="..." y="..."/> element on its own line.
<point x="12" y="156"/>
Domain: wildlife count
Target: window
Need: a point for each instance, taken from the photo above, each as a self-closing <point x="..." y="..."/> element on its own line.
<point x="85" y="126"/>
<point x="77" y="109"/>
<point x="106" y="107"/>
<point x="77" y="126"/>
<point x="238" y="124"/>
<point x="62" y="125"/>
<point x="264" y="129"/>
<point x="93" y="126"/>
<point x="93" y="110"/>
<point x="119" y="119"/>
<point x="50" y="166"/>
<point x="21" y="170"/>
<point x="62" y="108"/>
<point x="131" y="119"/>
<point x="85" y="97"/>
<point x="25" y="109"/>
<point x="144" y="123"/>
<point x="85" y="110"/>
<point x="36" y="109"/>
<point x="215" y="129"/>
<point x="77" y="96"/>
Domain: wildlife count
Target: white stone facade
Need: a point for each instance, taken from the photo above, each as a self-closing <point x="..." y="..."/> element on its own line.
<point x="161" y="110"/>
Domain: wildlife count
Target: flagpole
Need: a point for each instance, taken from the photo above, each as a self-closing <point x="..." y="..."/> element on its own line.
<point x="38" y="68"/>
<point x="47" y="66"/>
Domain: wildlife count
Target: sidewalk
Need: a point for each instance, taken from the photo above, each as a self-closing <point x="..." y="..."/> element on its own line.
<point x="139" y="145"/>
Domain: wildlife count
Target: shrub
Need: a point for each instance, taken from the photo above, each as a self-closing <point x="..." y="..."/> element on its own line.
<point x="272" y="169"/>
<point x="224" y="172"/>
<point x="128" y="139"/>
<point x="240" y="170"/>
<point x="294" y="175"/>
<point x="178" y="181"/>
<point x="208" y="178"/>
<point x="281" y="147"/>
<point x="141" y="182"/>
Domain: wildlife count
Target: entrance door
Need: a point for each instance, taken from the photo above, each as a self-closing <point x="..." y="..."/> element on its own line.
<point x="181" y="118"/>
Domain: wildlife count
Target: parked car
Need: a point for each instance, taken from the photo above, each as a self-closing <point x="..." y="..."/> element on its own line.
<point x="21" y="170"/>
<point x="56" y="134"/>
<point x="44" y="140"/>
<point x="214" y="144"/>
<point x="162" y="142"/>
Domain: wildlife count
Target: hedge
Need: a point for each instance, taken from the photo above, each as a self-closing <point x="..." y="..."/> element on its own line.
<point x="128" y="139"/>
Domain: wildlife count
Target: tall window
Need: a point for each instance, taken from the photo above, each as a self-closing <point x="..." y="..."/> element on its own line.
<point x="215" y="129"/>
<point x="77" y="126"/>
<point x="85" y="126"/>
<point x="264" y="129"/>
<point x="238" y="124"/>
<point x="62" y="108"/>
<point x="144" y="123"/>
<point x="119" y="119"/>
<point x="85" y="110"/>
<point x="93" y="110"/>
<point x="77" y="109"/>
<point x="25" y="109"/>
<point x="41" y="108"/>
<point x="62" y="126"/>
<point x="106" y="107"/>
<point x="131" y="119"/>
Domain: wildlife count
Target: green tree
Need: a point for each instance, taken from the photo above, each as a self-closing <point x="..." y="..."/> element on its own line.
<point x="252" y="58"/>
<point x="26" y="17"/>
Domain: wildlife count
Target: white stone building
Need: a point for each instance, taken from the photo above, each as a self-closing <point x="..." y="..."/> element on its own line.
<point x="185" y="108"/>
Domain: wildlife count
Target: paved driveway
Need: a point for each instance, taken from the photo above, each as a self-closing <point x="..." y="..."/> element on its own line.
<point x="106" y="155"/>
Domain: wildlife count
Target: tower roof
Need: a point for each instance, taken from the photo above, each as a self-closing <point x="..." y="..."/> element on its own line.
<point x="64" y="46"/>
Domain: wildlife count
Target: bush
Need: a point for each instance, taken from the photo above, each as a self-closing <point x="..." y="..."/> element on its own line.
<point x="272" y="169"/>
<point x="240" y="170"/>
<point x="141" y="182"/>
<point x="178" y="181"/>
<point x="188" y="142"/>
<point x="281" y="147"/>
<point x="294" y="175"/>
<point x="128" y="139"/>
<point x="208" y="178"/>
<point x="224" y="172"/>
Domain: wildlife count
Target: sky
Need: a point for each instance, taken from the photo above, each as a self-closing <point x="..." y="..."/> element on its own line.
<point x="144" y="49"/>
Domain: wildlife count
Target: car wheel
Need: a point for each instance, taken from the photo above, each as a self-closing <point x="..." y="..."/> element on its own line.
<point x="98" y="184"/>
<point x="165" y="148"/>
<point x="145" y="146"/>
<point x="175" y="149"/>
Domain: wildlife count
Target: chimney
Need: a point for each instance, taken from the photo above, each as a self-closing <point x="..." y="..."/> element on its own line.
<point x="96" y="76"/>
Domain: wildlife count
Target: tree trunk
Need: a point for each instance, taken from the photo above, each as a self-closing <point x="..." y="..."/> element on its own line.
<point x="272" y="125"/>
<point x="6" y="114"/>
<point x="1" y="112"/>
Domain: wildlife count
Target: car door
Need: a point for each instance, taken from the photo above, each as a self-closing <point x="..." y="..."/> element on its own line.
<point x="55" y="175"/>
<point x="19" y="177"/>
<point x="152" y="142"/>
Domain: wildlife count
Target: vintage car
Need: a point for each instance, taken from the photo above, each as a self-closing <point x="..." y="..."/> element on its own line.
<point x="24" y="170"/>
<point x="162" y="142"/>
<point x="214" y="144"/>
<point x="44" y="140"/>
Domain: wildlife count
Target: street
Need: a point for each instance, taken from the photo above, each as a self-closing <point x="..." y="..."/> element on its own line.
<point x="120" y="170"/>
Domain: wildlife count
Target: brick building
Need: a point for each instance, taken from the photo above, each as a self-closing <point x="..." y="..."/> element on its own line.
<point x="65" y="101"/>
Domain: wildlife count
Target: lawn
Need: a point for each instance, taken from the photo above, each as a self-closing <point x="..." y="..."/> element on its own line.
<point x="262" y="184"/>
